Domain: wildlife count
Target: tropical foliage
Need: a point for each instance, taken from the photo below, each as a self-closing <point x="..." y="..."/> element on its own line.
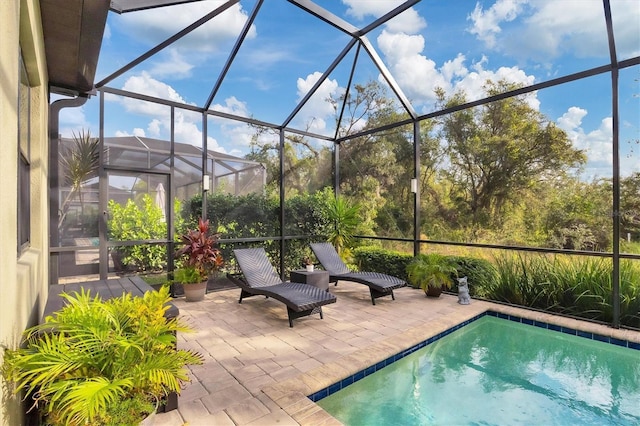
<point x="141" y="220"/>
<point x="256" y="216"/>
<point x="344" y="218"/>
<point x="569" y="285"/>
<point x="79" y="163"/>
<point x="90" y="357"/>
<point x="199" y="255"/>
<point x="431" y="270"/>
<point x="501" y="173"/>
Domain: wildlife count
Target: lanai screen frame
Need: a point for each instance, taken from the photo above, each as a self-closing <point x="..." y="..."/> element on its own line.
<point x="359" y="38"/>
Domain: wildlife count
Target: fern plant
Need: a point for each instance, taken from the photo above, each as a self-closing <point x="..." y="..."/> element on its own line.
<point x="431" y="272"/>
<point x="82" y="363"/>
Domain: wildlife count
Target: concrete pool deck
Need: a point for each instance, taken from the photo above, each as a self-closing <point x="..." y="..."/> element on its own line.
<point x="258" y="370"/>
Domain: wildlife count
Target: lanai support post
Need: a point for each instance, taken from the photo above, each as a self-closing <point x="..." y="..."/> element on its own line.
<point x="416" y="195"/>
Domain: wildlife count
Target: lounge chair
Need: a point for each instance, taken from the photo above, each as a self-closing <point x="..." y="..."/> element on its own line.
<point x="380" y="285"/>
<point x="260" y="278"/>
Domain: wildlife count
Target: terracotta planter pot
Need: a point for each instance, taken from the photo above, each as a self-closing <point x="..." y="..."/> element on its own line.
<point x="195" y="292"/>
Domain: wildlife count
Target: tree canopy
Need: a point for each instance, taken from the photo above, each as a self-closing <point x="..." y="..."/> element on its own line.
<point x="500" y="173"/>
<point x="500" y="149"/>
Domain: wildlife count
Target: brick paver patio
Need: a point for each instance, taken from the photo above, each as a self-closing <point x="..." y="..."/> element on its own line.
<point x="258" y="370"/>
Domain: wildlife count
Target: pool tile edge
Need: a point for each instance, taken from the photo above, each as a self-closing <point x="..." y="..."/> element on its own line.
<point x="338" y="385"/>
<point x="289" y="395"/>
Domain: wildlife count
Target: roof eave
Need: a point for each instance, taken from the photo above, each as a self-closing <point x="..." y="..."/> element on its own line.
<point x="73" y="31"/>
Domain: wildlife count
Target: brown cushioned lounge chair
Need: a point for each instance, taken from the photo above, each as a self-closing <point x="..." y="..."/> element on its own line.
<point x="380" y="285"/>
<point x="260" y="278"/>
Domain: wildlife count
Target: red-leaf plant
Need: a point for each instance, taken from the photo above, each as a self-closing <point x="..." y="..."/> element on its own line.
<point x="199" y="251"/>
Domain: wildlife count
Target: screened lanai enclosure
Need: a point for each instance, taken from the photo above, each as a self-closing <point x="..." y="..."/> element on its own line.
<point x="502" y="134"/>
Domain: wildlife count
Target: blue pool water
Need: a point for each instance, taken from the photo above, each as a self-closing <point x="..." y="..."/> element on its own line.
<point x="498" y="372"/>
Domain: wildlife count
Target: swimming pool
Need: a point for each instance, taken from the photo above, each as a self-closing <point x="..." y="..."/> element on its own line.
<point x="495" y="371"/>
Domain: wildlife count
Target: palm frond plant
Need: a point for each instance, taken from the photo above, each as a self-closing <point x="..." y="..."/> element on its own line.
<point x="432" y="273"/>
<point x="344" y="217"/>
<point x="82" y="364"/>
<point x="79" y="164"/>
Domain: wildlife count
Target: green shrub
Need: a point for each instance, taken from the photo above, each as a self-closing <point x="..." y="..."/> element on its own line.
<point x="133" y="222"/>
<point x="375" y="259"/>
<point x="257" y="216"/>
<point x="481" y="273"/>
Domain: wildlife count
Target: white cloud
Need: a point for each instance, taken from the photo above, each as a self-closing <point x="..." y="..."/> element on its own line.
<point x="419" y="76"/>
<point x="408" y="21"/>
<point x="416" y="74"/>
<point x="557" y="28"/>
<point x="232" y="106"/>
<point x="174" y="66"/>
<point x="187" y="124"/>
<point x="154" y="127"/>
<point x="626" y="15"/>
<point x="239" y="136"/>
<point x="454" y="68"/>
<point x="136" y="132"/>
<point x="267" y="56"/>
<point x="187" y="127"/>
<point x="177" y="61"/>
<point x="542" y="30"/>
<point x="360" y="9"/>
<point x="596" y="143"/>
<point x="486" y="24"/>
<point x="147" y="85"/>
<point x="236" y="134"/>
<point x="156" y="25"/>
<point x="317" y="110"/>
<point x="571" y="119"/>
<point x="473" y="82"/>
<point x="71" y="120"/>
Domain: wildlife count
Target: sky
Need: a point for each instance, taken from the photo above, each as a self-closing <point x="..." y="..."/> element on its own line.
<point x="453" y="45"/>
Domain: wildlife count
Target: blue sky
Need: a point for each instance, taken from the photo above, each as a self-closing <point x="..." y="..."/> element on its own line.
<point x="455" y="45"/>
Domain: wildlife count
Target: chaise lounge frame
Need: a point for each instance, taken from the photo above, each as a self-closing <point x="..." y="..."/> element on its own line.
<point x="379" y="284"/>
<point x="259" y="277"/>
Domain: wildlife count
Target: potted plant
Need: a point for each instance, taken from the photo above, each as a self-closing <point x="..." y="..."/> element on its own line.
<point x="198" y="259"/>
<point x="308" y="264"/>
<point x="101" y="362"/>
<point x="432" y="273"/>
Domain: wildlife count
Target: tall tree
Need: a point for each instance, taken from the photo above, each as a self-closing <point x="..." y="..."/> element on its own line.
<point x="373" y="166"/>
<point x="307" y="166"/>
<point x="500" y="149"/>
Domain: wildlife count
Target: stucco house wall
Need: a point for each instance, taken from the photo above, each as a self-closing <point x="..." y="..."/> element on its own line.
<point x="23" y="274"/>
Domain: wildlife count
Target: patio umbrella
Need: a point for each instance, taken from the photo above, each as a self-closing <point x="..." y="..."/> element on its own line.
<point x="161" y="200"/>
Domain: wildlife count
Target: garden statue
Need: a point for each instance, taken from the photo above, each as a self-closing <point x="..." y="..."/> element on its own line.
<point x="463" y="291"/>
